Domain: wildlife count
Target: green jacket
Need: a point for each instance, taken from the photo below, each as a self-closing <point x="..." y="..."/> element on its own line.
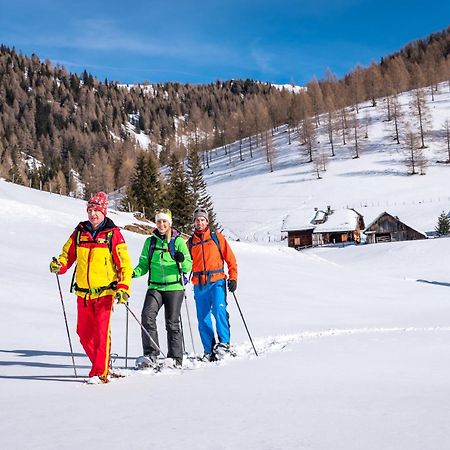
<point x="164" y="273"/>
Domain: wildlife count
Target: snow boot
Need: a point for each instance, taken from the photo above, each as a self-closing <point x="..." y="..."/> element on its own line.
<point x="97" y="379"/>
<point x="146" y="362"/>
<point x="208" y="357"/>
<point x="222" y="350"/>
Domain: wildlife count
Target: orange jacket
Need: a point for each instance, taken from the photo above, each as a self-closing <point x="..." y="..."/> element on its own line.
<point x="98" y="265"/>
<point x="207" y="262"/>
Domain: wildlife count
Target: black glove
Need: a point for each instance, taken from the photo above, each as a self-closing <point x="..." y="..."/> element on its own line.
<point x="122" y="297"/>
<point x="178" y="257"/>
<point x="232" y="285"/>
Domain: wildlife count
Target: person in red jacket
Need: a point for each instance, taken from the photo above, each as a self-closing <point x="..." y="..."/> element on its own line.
<point x="103" y="272"/>
<point x="210" y="250"/>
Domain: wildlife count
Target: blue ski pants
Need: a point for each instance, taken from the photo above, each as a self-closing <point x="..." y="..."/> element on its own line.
<point x="211" y="298"/>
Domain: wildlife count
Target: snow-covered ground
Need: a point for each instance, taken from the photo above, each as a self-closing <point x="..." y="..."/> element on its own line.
<point x="352" y="349"/>
<point x="353" y="342"/>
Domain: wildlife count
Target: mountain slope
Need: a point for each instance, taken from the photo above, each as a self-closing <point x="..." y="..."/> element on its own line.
<point x="251" y="202"/>
<point x="351" y="345"/>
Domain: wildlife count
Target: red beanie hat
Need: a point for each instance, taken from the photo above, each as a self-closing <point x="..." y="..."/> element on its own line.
<point x="98" y="202"/>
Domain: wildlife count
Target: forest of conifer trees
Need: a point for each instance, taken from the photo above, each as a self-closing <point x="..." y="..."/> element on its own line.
<point x="60" y="130"/>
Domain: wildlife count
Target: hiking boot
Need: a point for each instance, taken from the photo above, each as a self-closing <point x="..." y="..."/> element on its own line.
<point x="178" y="363"/>
<point x="208" y="357"/>
<point x="97" y="379"/>
<point x="146" y="361"/>
<point x="221" y="348"/>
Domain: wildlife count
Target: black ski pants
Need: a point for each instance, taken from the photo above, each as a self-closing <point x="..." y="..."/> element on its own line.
<point x="172" y="301"/>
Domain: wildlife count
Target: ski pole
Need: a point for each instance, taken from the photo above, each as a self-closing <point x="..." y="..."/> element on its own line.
<point x="155" y="345"/>
<point x="187" y="309"/>
<point x="243" y="320"/>
<point x="126" y="340"/>
<point x="65" y="320"/>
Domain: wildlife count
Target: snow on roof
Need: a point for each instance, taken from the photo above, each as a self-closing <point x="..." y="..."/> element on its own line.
<point x="340" y="220"/>
<point x="299" y="220"/>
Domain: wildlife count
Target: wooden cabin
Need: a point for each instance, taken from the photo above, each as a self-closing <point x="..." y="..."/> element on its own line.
<point x="323" y="227"/>
<point x="341" y="226"/>
<point x="300" y="238"/>
<point x="389" y="228"/>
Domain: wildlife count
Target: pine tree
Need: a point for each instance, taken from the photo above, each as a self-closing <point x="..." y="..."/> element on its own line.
<point x="443" y="225"/>
<point x="200" y="196"/>
<point x="145" y="192"/>
<point x="178" y="195"/>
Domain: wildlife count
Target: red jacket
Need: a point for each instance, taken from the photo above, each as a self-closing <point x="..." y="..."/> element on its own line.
<point x="207" y="262"/>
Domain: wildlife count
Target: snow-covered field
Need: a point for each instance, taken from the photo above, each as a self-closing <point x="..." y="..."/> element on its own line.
<point x="353" y="342"/>
<point x="251" y="202"/>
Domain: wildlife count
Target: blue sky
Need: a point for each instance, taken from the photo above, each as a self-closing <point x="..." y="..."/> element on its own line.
<point x="203" y="41"/>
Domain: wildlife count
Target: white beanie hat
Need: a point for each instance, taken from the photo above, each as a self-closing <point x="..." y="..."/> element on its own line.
<point x="164" y="214"/>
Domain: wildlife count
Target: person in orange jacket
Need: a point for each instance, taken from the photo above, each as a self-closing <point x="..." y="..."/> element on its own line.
<point x="210" y="250"/>
<point x="103" y="273"/>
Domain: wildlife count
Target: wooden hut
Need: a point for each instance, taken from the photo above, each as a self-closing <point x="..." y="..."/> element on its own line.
<point x="323" y="227"/>
<point x="343" y="225"/>
<point x="389" y="228"/>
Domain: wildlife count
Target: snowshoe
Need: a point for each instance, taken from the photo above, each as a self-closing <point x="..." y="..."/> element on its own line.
<point x="207" y="357"/>
<point x="146" y="362"/>
<point x="112" y="373"/>
<point x="173" y="363"/>
<point x="223" y="350"/>
<point x="97" y="380"/>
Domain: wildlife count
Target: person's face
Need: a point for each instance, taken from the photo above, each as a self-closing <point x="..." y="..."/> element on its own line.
<point x="95" y="217"/>
<point x="162" y="225"/>
<point x="200" y="223"/>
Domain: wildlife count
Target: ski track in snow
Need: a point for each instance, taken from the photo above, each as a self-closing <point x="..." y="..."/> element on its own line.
<point x="273" y="344"/>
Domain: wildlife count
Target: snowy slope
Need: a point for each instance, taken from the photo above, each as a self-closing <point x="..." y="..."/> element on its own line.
<point x="251" y="202"/>
<point x="352" y="341"/>
<point x="352" y="345"/>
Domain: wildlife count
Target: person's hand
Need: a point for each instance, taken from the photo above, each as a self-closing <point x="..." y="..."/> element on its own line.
<point x="232" y="285"/>
<point x="55" y="266"/>
<point x="178" y="257"/>
<point x="122" y="297"/>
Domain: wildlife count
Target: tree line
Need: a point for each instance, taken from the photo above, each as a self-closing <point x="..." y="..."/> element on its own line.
<point x="60" y="130"/>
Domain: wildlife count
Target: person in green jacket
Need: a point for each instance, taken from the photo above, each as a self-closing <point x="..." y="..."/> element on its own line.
<point x="165" y="257"/>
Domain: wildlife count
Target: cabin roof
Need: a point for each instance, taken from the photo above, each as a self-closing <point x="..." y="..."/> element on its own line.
<point x="339" y="221"/>
<point x="396" y="218"/>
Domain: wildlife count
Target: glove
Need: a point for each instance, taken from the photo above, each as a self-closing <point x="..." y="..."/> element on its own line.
<point x="122" y="297"/>
<point x="178" y="257"/>
<point x="232" y="285"/>
<point x="55" y="266"/>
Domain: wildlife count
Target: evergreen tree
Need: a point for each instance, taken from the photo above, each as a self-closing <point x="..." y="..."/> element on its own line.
<point x="443" y="225"/>
<point x="200" y="196"/>
<point x="179" y="196"/>
<point x="145" y="192"/>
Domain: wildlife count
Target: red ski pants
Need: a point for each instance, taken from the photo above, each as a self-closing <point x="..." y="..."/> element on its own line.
<point x="93" y="328"/>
